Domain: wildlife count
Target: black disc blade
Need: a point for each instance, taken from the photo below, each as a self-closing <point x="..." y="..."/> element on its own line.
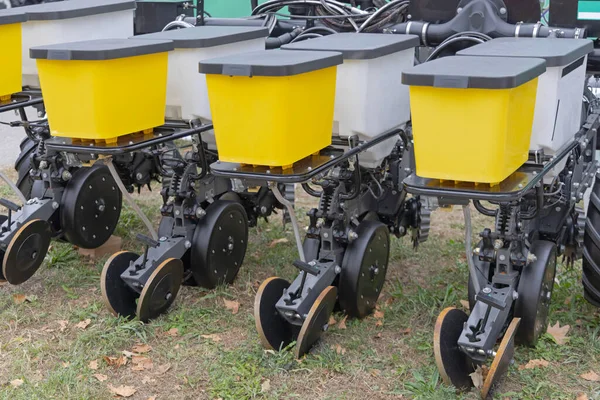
<point x="160" y="290"/>
<point x="219" y="244"/>
<point x="274" y="331"/>
<point x="364" y="269"/>
<point x="453" y="365"/>
<point x="26" y="251"/>
<point x="90" y="207"/>
<point x="118" y="296"/>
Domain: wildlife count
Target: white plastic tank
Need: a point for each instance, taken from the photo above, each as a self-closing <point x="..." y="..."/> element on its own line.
<point x="72" y="21"/>
<point x="560" y="89"/>
<point x="370" y="97"/>
<point x="187" y="95"/>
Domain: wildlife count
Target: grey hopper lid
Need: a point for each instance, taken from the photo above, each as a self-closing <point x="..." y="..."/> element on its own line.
<point x="556" y="52"/>
<point x="475" y="72"/>
<point x="208" y="36"/>
<point x="75" y="9"/>
<point x="271" y="63"/>
<point x="104" y="49"/>
<point x="12" y="16"/>
<point x="358" y="46"/>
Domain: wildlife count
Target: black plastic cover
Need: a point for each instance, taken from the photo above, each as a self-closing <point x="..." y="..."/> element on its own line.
<point x="104" y="49"/>
<point x="12" y="16"/>
<point x="75" y="9"/>
<point x="208" y="36"/>
<point x="475" y="72"/>
<point x="358" y="46"/>
<point x="556" y="52"/>
<point x="271" y="63"/>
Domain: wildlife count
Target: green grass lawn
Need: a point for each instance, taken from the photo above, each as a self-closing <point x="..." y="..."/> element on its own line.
<point x="201" y="349"/>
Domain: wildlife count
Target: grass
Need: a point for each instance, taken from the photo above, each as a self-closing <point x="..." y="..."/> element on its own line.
<point x="200" y="350"/>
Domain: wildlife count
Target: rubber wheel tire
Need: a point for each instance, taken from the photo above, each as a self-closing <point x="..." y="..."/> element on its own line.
<point x="591" y="248"/>
<point x="532" y="294"/>
<point x="23" y="165"/>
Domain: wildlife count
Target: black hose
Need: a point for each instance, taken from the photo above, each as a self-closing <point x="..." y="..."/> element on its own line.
<point x="311" y="192"/>
<point x="482" y="210"/>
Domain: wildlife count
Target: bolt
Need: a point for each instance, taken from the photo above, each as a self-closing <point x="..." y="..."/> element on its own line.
<point x="66" y="175"/>
<point x="187" y="244"/>
<point x="503" y="11"/>
<point x="230" y="246"/>
<point x="558" y="209"/>
<point x="548" y="295"/>
<point x="45" y="175"/>
<point x="458" y="10"/>
<point x="43" y="164"/>
<point x="101" y="207"/>
<point x="515" y="295"/>
<point x="263" y="210"/>
<point x="139" y="176"/>
<point x="162" y="239"/>
<point x="352" y="236"/>
<point x="502" y="257"/>
<point x="177" y="212"/>
<point x="337" y="269"/>
<point x="476" y="251"/>
<point x="168" y="296"/>
<point x="200" y="212"/>
<point x="326" y="235"/>
<point x="498" y="243"/>
<point x="55" y="205"/>
<point x="486" y="290"/>
<point x="531" y="258"/>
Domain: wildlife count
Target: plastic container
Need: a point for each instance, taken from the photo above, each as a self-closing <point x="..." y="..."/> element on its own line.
<point x="560" y="88"/>
<point x="187" y="95"/>
<point x="72" y="20"/>
<point x="370" y="97"/>
<point x="10" y="53"/>
<point x="103" y="89"/>
<point x="272" y="107"/>
<point x="472" y="116"/>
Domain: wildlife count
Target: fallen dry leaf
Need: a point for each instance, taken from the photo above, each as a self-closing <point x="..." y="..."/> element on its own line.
<point x="141" y="363"/>
<point x="477" y="377"/>
<point x="161" y="369"/>
<point x="84" y="324"/>
<point x="332" y="321"/>
<point x="151" y="398"/>
<point x="100" y="377"/>
<point x="115" y="361"/>
<point x="378" y="336"/>
<point x="173" y="332"/>
<point x="141" y="348"/>
<point x="406" y="331"/>
<point x="375" y="372"/>
<point x="214" y="337"/>
<point x="379" y="323"/>
<point x="66" y="364"/>
<point x="534" y="364"/>
<point x="342" y="323"/>
<point x="465" y="304"/>
<point x="559" y="333"/>
<point x="19" y="298"/>
<point x="378" y="314"/>
<point x="582" y="396"/>
<point x="16" y="383"/>
<point x="339" y="349"/>
<point x="63" y="325"/>
<point x="146" y="380"/>
<point x="591" y="376"/>
<point x="265" y="386"/>
<point x="93" y="365"/>
<point x="122" y="391"/>
<point x="568" y="300"/>
<point x="278" y="241"/>
<point x="234" y="306"/>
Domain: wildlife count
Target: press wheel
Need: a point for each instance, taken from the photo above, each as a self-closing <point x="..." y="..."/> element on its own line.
<point x="503" y="359"/>
<point x="316" y="322"/>
<point x="453" y="365"/>
<point x="118" y="296"/>
<point x="219" y="244"/>
<point x="274" y="331"/>
<point x="364" y="268"/>
<point x="90" y="207"/>
<point x="26" y="251"/>
<point x="535" y="292"/>
<point x="160" y="289"/>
